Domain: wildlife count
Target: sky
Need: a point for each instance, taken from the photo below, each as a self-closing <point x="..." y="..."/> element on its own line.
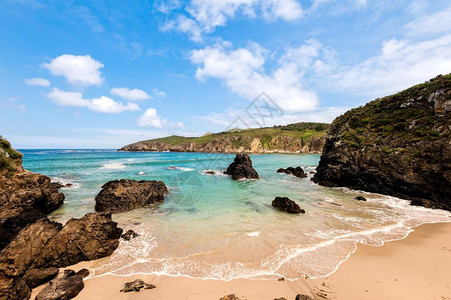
<point x="102" y="74"/>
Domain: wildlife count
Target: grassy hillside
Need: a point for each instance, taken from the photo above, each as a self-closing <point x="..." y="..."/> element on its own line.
<point x="10" y="159"/>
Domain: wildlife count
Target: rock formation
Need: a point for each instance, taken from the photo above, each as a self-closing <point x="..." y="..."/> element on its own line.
<point x="241" y="168"/>
<point x="398" y="145"/>
<point x="136" y="286"/>
<point x="298" y="171"/>
<point x="124" y="195"/>
<point x="64" y="288"/>
<point x="287" y="205"/>
<point x="129" y="235"/>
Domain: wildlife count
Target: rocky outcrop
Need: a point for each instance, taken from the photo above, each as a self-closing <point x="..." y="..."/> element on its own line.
<point x="399" y="145"/>
<point x="36" y="277"/>
<point x="124" y="195"/>
<point x="45" y="244"/>
<point x="64" y="288"/>
<point x="298" y="171"/>
<point x="287" y="205"/>
<point x="241" y="168"/>
<point x="136" y="286"/>
<point x="25" y="197"/>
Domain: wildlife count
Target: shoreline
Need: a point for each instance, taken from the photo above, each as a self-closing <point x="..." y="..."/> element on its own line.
<point x="416" y="267"/>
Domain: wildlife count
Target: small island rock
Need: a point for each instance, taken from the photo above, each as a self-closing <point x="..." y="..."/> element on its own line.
<point x="298" y="171"/>
<point x="241" y="168"/>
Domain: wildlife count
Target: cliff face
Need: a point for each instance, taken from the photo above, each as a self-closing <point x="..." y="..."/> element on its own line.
<point x="399" y="145"/>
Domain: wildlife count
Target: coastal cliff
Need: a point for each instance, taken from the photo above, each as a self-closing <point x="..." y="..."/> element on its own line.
<point x="398" y="145"/>
<point x="293" y="138"/>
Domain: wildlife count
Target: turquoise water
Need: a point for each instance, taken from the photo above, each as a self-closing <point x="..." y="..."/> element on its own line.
<point x="213" y="227"/>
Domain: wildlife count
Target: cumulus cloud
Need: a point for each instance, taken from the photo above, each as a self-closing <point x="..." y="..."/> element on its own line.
<point x="186" y="25"/>
<point x="130" y="94"/>
<point x="150" y="118"/>
<point x="77" y="69"/>
<point x="38" y="82"/>
<point x="102" y="104"/>
<point x="242" y="70"/>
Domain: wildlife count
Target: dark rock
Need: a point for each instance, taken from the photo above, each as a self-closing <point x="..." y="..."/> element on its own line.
<point x="209" y="172"/>
<point x="360" y="198"/>
<point x="25" y="198"/>
<point x="36" y="277"/>
<point x="13" y="288"/>
<point x="136" y="286"/>
<point x="312" y="172"/>
<point x="67" y="273"/>
<point x="398" y="145"/>
<point x="230" y="297"/>
<point x="303" y="297"/>
<point x="287" y="205"/>
<point x="298" y="171"/>
<point x="124" y="195"/>
<point x="130" y="234"/>
<point x="68" y="184"/>
<point x="82" y="273"/>
<point x="241" y="168"/>
<point x="62" y="288"/>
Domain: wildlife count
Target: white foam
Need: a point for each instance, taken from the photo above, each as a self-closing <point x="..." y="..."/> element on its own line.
<point x="181" y="169"/>
<point x="63" y="181"/>
<point x="141" y="173"/>
<point x="253" y="233"/>
<point x="113" y="166"/>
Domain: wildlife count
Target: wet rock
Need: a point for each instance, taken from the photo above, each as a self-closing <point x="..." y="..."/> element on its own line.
<point x="360" y="198"/>
<point x="136" y="286"/>
<point x="241" y="168"/>
<point x="130" y="234"/>
<point x="36" y="277"/>
<point x="287" y="205"/>
<point x="209" y="172"/>
<point x="68" y="184"/>
<point x="64" y="288"/>
<point x="298" y="171"/>
<point x="230" y="297"/>
<point x="303" y="297"/>
<point x="124" y="195"/>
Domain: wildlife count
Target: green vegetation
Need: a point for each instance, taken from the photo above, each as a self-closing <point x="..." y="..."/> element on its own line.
<point x="8" y="158"/>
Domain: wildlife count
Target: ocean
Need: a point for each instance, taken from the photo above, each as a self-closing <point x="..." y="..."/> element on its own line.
<point x="212" y="227"/>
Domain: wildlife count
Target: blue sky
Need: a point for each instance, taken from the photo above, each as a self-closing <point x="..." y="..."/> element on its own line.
<point x="101" y="74"/>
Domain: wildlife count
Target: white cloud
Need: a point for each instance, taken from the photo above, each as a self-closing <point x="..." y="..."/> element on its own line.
<point x="77" y="69"/>
<point x="150" y="118"/>
<point x="242" y="70"/>
<point x="130" y="94"/>
<point x="159" y="93"/>
<point x="186" y="25"/>
<point x="38" y="82"/>
<point x="102" y="104"/>
<point x="436" y="23"/>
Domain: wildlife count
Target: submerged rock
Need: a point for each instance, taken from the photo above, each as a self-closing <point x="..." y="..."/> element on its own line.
<point x="398" y="145"/>
<point x="360" y="198"/>
<point x="124" y="195"/>
<point x="287" y="205"/>
<point x="64" y="288"/>
<point x="298" y="171"/>
<point x="241" y="168"/>
<point x="136" y="286"/>
<point x="129" y="235"/>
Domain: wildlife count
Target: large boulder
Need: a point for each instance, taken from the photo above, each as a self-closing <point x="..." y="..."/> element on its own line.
<point x="241" y="168"/>
<point x="398" y="145"/>
<point x="287" y="205"/>
<point x="124" y="195"/>
<point x="64" y="288"/>
<point x="298" y="171"/>
<point x="36" y="277"/>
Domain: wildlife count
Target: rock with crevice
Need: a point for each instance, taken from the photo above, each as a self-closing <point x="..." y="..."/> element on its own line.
<point x="241" y="168"/>
<point x="125" y="195"/>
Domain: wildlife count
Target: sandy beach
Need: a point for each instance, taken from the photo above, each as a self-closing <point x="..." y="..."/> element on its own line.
<point x="417" y="267"/>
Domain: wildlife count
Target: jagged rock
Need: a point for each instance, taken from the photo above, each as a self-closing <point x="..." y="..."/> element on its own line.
<point x="25" y="198"/>
<point x="64" y="288"/>
<point x="398" y="145"/>
<point x="242" y="168"/>
<point x="287" y="205"/>
<point x="360" y="198"/>
<point x="36" y="277"/>
<point x="230" y="297"/>
<point x="130" y="234"/>
<point x="298" y="171"/>
<point x="13" y="288"/>
<point x="303" y="297"/>
<point x="124" y="195"/>
<point x="136" y="286"/>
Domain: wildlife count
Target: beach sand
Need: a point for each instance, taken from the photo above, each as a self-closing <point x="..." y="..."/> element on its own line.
<point x="417" y="267"/>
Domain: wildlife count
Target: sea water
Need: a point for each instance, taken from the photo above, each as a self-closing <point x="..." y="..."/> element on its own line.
<point x="213" y="227"/>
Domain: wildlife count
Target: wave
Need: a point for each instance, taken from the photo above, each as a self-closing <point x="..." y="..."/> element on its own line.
<point x="113" y="166"/>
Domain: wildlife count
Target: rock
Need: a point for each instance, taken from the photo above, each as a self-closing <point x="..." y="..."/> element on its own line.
<point x="298" y="171"/>
<point x="68" y="184"/>
<point x="124" y="195"/>
<point x="398" y="145"/>
<point x="36" y="277"/>
<point x="64" y="288"/>
<point x="242" y="168"/>
<point x="230" y="297"/>
<point x="136" y="286"/>
<point x="130" y="234"/>
<point x="303" y="297"/>
<point x="360" y="198"/>
<point x="281" y="278"/>
<point x="287" y="205"/>
<point x="12" y="288"/>
<point x="25" y="198"/>
<point x="209" y="172"/>
<point x="312" y="172"/>
<point x="280" y="298"/>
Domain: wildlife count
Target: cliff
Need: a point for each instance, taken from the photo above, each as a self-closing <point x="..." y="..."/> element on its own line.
<point x="399" y="145"/>
<point x="299" y="137"/>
